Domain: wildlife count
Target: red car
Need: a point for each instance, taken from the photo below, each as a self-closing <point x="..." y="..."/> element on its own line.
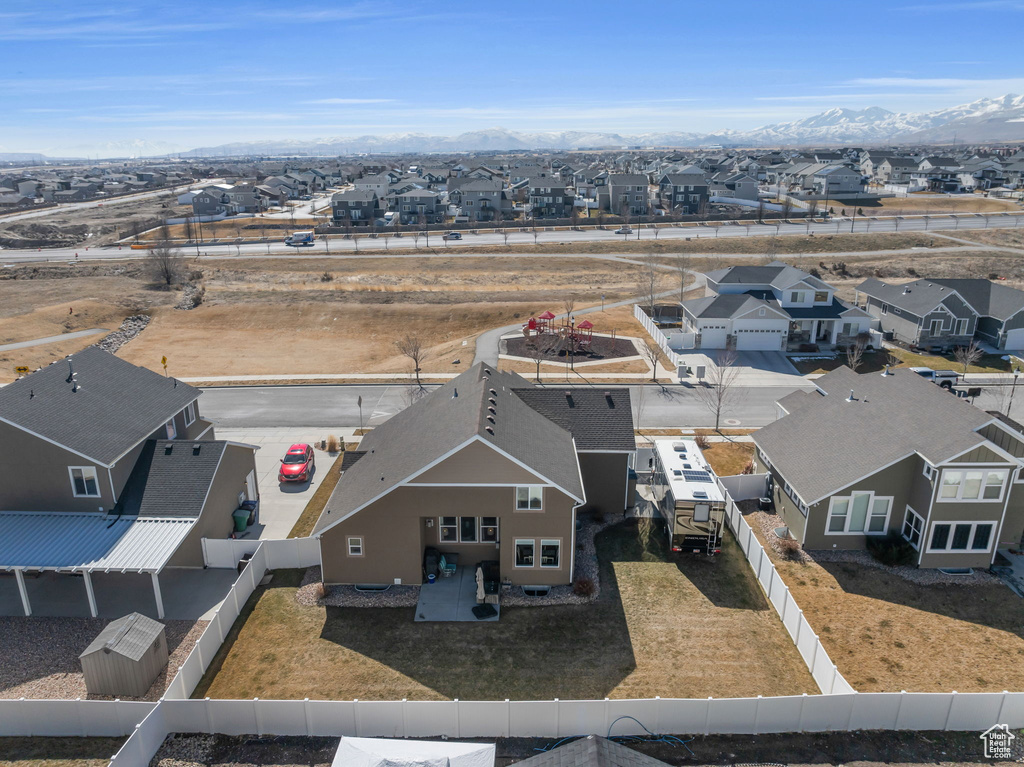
<point x="297" y="464"/>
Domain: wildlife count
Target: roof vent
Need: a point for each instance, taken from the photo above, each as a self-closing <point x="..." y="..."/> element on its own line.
<point x="491" y="409"/>
<point x="494" y="392"/>
<point x="455" y="393"/>
<point x="885" y="372"/>
<point x="196" y="447"/>
<point x="486" y="371"/>
<point x="489" y="430"/>
<point x="490" y="418"/>
<point x="492" y="400"/>
<point x="906" y="290"/>
<point x="168" y="448"/>
<point x="850" y="398"/>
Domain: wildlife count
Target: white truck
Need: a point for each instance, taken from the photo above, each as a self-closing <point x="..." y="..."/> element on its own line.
<point x="299" y="239"/>
<point x="945" y="378"/>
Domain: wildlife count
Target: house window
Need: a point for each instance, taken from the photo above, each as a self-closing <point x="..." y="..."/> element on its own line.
<point x="820" y="296"/>
<point x="190" y="413"/>
<point x="858" y="513"/>
<point x="935" y="327"/>
<point x="796" y="297"/>
<point x="928" y="470"/>
<point x="355" y="546"/>
<point x="83" y="482"/>
<point x="467" y="529"/>
<point x="961" y="327"/>
<point x="550" y="553"/>
<point x="975" y="485"/>
<point x="524" y="552"/>
<point x="529" y="498"/>
<point x="489" y="529"/>
<point x="171" y="431"/>
<point x="449" y="529"/>
<point x="961" y="536"/>
<point x="760" y="312"/>
<point x="913" y="524"/>
<point x="885" y="308"/>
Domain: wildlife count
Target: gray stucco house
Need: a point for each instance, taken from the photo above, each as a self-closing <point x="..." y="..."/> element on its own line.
<point x="942" y="314"/>
<point x="873" y="454"/>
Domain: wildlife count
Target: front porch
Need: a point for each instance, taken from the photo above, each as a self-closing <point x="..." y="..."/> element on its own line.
<point x="453" y="598"/>
<point x="803" y="334"/>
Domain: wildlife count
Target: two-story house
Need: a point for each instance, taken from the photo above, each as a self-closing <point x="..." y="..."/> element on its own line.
<point x="873" y="454"/>
<point x="110" y="467"/>
<point x="548" y="197"/>
<point x="479" y="199"/>
<point x="356" y="207"/>
<point x="419" y="205"/>
<point x="627" y="193"/>
<point x="772" y="308"/>
<point x="684" y="192"/>
<point x="486" y="467"/>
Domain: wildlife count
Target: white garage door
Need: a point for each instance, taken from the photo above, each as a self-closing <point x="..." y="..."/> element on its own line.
<point x="761" y="340"/>
<point x="712" y="337"/>
<point x="1014" y="340"/>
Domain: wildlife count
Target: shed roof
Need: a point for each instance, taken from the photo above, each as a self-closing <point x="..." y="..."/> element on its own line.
<point x="130" y="636"/>
<point x="74" y="541"/>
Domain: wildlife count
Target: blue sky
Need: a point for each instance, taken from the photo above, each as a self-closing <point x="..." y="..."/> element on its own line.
<point x="81" y="76"/>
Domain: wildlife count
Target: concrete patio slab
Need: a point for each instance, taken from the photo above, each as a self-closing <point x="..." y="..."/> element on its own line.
<point x="451" y="599"/>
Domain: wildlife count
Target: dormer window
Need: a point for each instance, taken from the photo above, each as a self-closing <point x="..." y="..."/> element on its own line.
<point x="820" y="296"/>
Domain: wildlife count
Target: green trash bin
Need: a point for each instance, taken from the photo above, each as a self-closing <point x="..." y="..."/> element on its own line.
<point x="241" y="517"/>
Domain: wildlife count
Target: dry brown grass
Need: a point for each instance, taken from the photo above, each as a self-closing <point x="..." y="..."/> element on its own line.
<point x="921" y="204"/>
<point x="886" y="634"/>
<point x="58" y="752"/>
<point x="674" y="627"/>
<point x="728" y="458"/>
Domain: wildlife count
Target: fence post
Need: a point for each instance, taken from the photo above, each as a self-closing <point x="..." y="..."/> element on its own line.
<point x="405" y="718"/>
<point x="949" y="711"/>
<point x="800" y="719"/>
<point x="309" y="722"/>
<point x="1002" y="704"/>
<point x="707" y="717"/>
<point x="835" y="675"/>
<point x="209" y="716"/>
<point x="657" y="714"/>
<point x="558" y="719"/>
<point x="799" y="629"/>
<point x="358" y="719"/>
<point x="258" y="716"/>
<point x="899" y="708"/>
<point x="607" y="722"/>
<point x="458" y="719"/>
<point x="508" y="719"/>
<point x="757" y="710"/>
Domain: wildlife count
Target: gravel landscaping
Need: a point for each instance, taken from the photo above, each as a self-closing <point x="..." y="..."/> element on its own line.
<point x="41" y="656"/>
<point x="130" y="327"/>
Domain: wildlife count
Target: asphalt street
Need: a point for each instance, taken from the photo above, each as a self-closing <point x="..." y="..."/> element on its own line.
<point x="670" y="406"/>
<point x="373" y="248"/>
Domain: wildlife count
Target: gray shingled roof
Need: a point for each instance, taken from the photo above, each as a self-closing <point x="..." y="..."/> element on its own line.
<point x="826" y="443"/>
<point x="443" y="420"/>
<point x="918" y="297"/>
<point x="597" y="419"/>
<point x="171" y="478"/>
<point x="723" y="306"/>
<point x="130" y="636"/>
<point x="776" y="274"/>
<point x="989" y="299"/>
<point x="116" y="405"/>
<point x="592" y="751"/>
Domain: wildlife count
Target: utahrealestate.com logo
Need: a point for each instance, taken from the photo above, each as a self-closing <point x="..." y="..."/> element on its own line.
<point x="998" y="740"/>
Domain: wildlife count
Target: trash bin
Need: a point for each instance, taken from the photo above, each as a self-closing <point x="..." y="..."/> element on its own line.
<point x="241" y="517"/>
<point x="253" y="507"/>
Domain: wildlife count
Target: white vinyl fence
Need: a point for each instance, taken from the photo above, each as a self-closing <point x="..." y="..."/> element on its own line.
<point x="283" y="553"/>
<point x="656" y="335"/>
<point x="71" y="718"/>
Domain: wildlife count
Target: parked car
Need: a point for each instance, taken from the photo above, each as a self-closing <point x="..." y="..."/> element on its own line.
<point x="454" y="235"/>
<point x="297" y="465"/>
<point x="624" y="230"/>
<point x="944" y="378"/>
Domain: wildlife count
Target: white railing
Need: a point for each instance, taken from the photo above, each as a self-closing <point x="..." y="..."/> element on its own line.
<point x="656" y="335"/>
<point x="40" y="718"/>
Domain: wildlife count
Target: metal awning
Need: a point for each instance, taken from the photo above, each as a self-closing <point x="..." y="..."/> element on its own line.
<point x="73" y="542"/>
<point x="87" y="543"/>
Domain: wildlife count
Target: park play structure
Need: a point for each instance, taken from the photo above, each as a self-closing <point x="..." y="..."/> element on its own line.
<point x="568" y="335"/>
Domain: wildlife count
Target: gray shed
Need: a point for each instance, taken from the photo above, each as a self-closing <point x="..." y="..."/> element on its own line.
<point x="126" y="657"/>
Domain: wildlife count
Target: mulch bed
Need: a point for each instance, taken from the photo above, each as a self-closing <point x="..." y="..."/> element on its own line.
<point x="601" y="348"/>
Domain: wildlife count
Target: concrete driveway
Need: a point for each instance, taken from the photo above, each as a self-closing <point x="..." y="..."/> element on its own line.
<point x="755" y="368"/>
<point x="281" y="504"/>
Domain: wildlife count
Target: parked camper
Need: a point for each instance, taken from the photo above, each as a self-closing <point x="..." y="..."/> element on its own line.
<point x="297" y="239"/>
<point x="688" y="496"/>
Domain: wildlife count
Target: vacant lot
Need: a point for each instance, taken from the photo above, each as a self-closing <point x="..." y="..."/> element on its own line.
<point x="1004" y="238"/>
<point x="58" y="752"/>
<point x="687" y="627"/>
<point x="887" y="634"/>
<point x="920" y="204"/>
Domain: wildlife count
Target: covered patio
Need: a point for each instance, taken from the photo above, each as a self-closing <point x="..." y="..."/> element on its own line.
<point x="452" y="599"/>
<point x="86" y="544"/>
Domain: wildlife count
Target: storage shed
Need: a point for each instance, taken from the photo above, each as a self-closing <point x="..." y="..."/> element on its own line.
<point x="126" y="657"/>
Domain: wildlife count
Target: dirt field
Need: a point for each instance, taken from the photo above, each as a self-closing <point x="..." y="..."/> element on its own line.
<point x="887" y="634"/>
<point x="923" y="204"/>
<point x="675" y="627"/>
<point x="1004" y="238"/>
<point x="58" y="752"/>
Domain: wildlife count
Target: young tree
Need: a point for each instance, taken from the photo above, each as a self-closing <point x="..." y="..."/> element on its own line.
<point x="719" y="386"/>
<point x="855" y="353"/>
<point x="536" y="349"/>
<point x="411" y="346"/>
<point x="966" y="356"/>
<point x="681" y="263"/>
<point x="648" y="281"/>
<point x="165" y="264"/>
<point x="652" y="356"/>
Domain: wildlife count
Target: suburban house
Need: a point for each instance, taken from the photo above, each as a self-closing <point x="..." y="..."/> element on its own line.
<point x="627" y="192"/>
<point x="487" y="467"/>
<point x="549" y="198"/>
<point x="417" y="204"/>
<point x="109" y="467"/>
<point x="480" y="199"/>
<point x="360" y="207"/>
<point x="772" y="308"/>
<point x="944" y="314"/>
<point x="684" y="192"/>
<point x="874" y="454"/>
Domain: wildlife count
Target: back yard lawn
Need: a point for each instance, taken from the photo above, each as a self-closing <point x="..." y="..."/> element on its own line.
<point x="687" y="627"/>
<point x="887" y="634"/>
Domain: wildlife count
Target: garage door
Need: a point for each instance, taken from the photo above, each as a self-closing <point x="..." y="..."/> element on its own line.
<point x="712" y="337"/>
<point x="1014" y="340"/>
<point x="759" y="340"/>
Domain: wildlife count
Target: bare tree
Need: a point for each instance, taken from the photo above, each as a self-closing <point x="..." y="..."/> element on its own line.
<point x="165" y="264"/>
<point x="719" y="386"/>
<point x="771" y="251"/>
<point x="855" y="353"/>
<point x="652" y="356"/>
<point x="504" y="234"/>
<point x="966" y="356"/>
<point x="568" y="304"/>
<point x="411" y="346"/>
<point x="536" y="350"/>
<point x="648" y="281"/>
<point x="787" y="206"/>
<point x="681" y="263"/>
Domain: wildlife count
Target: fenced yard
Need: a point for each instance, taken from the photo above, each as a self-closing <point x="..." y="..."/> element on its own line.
<point x="686" y="627"/>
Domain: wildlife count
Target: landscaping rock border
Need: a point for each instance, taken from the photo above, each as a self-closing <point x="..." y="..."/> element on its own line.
<point x="308" y="594"/>
<point x="130" y="327"/>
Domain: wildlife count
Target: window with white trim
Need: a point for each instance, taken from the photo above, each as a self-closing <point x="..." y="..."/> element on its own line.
<point x="524" y="552"/>
<point x="885" y="308"/>
<point x="84" y="483"/>
<point x="796" y="297"/>
<point x="551" y="553"/>
<point x="935" y="327"/>
<point x="529" y="498"/>
<point x="171" y="431"/>
<point x="913" y="525"/>
<point x="960" y="328"/>
<point x="972" y="485"/>
<point x="190" y="413"/>
<point x="488" y="529"/>
<point x="961" y="536"/>
<point x="467" y="530"/>
<point x="928" y="470"/>
<point x="448" y="529"/>
<point x="355" y="546"/>
<point x="861" y="512"/>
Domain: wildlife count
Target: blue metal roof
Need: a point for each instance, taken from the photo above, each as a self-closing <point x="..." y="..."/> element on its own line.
<point x="76" y="541"/>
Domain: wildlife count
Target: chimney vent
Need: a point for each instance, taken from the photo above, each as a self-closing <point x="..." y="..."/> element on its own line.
<point x="850" y="398"/>
<point x="455" y="393"/>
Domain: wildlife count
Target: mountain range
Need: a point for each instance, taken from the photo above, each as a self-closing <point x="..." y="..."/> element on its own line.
<point x="984" y="120"/>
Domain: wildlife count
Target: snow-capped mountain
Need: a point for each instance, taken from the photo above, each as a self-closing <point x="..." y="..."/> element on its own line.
<point x="128" y="148"/>
<point x="987" y="119"/>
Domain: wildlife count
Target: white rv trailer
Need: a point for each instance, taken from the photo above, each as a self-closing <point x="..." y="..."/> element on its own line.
<point x="688" y="496"/>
